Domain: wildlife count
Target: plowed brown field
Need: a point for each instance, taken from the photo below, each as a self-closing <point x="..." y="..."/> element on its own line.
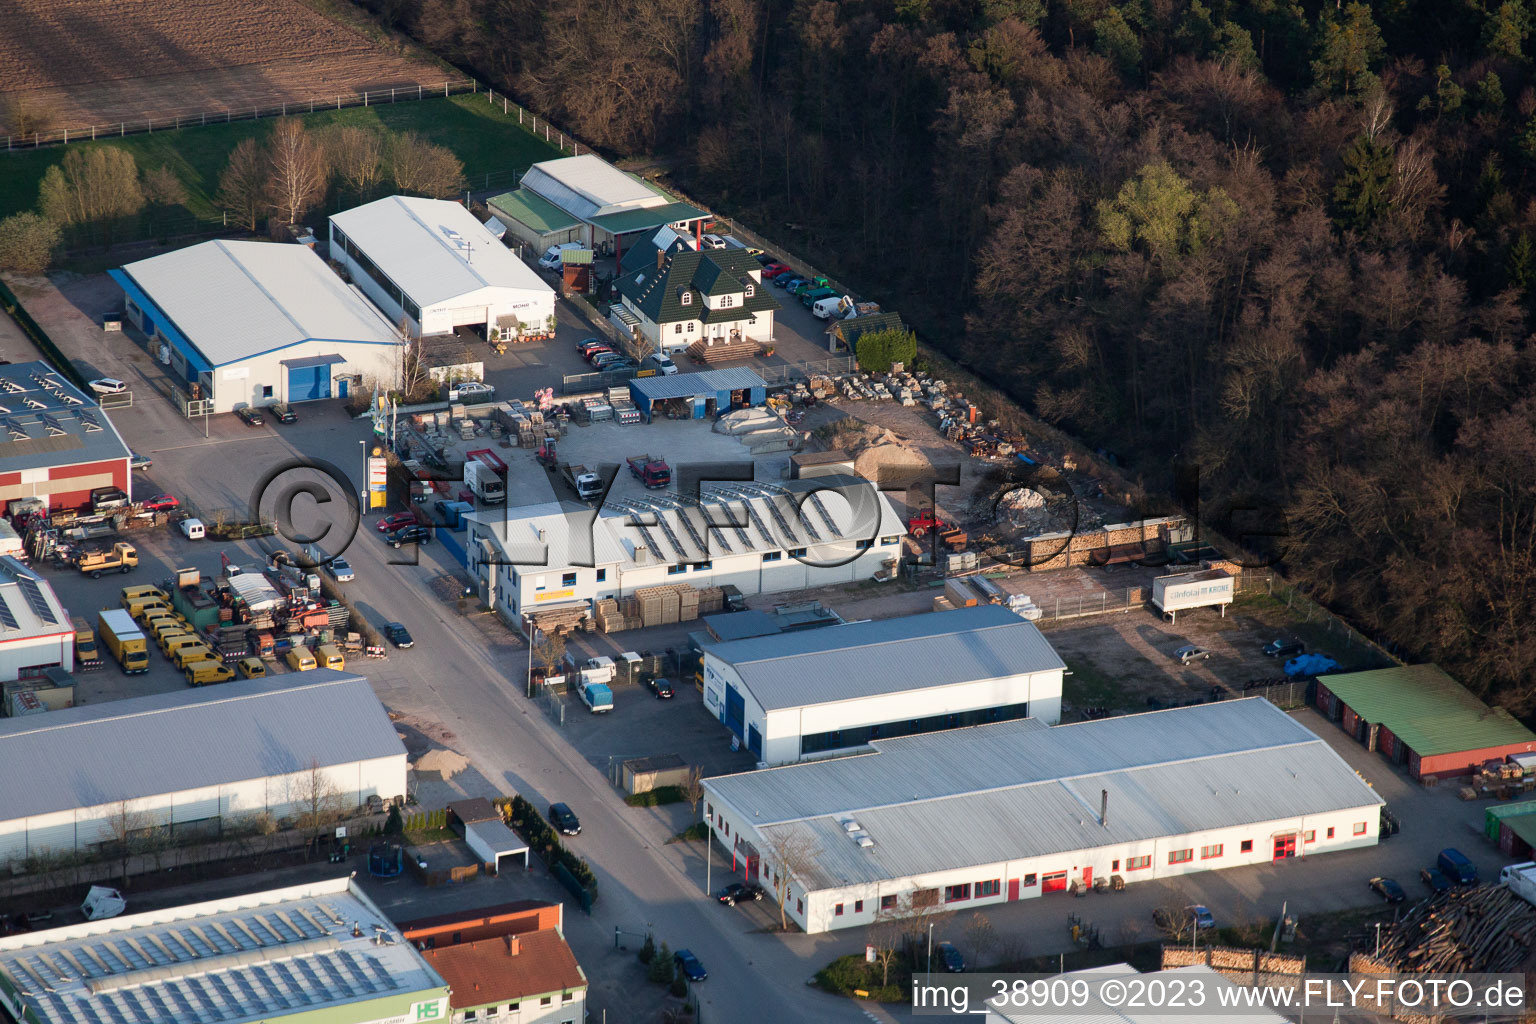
<point x="97" y="62"/>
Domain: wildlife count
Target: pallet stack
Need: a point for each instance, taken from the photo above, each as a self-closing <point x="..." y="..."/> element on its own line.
<point x="560" y="621"/>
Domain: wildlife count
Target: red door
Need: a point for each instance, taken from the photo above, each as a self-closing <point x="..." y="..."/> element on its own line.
<point x="1056" y="882"/>
<point x="1285" y="846"/>
<point x="1013" y="888"/>
<point x="1088" y="877"/>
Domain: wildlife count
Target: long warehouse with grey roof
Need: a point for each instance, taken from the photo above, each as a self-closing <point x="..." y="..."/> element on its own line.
<point x="827" y="690"/>
<point x="1040" y="810"/>
<point x="192" y="761"/>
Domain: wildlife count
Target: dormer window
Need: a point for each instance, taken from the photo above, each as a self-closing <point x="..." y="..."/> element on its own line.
<point x="687" y="298"/>
<point x="727" y="300"/>
<point x="751" y="290"/>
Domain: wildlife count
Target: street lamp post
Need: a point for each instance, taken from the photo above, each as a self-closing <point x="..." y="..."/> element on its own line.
<point x="930" y="947"/>
<point x="363" y="492"/>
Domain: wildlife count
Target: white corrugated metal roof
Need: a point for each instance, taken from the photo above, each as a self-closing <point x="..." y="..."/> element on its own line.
<point x="28" y="606"/>
<point x="255" y="957"/>
<point x="587" y="186"/>
<point x="192" y="739"/>
<point x="435" y="250"/>
<point x="914" y="652"/>
<point x="860" y="513"/>
<point x="1024" y="790"/>
<point x="237" y="299"/>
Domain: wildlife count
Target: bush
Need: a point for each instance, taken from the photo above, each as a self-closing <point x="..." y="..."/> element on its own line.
<point x="877" y="350"/>
<point x="656" y="797"/>
<point x="849" y="973"/>
<point x="530" y="824"/>
<point x="662" y="967"/>
<point x="679" y="985"/>
<point x="697" y="831"/>
<point x="648" y="950"/>
<point x="27" y="243"/>
<point x="394" y="825"/>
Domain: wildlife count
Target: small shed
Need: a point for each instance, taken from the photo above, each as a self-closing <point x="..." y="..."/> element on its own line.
<point x="730" y="626"/>
<point x="833" y="463"/>
<point x="844" y="335"/>
<point x="1419" y="717"/>
<point x="643" y="774"/>
<point x="485" y="833"/>
<point x="698" y="395"/>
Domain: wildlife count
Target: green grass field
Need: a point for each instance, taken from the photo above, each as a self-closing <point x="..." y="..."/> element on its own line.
<point x="488" y="141"/>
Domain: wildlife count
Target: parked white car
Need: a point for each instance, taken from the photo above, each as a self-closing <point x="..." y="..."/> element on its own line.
<point x="712" y="242"/>
<point x="108" y="386"/>
<point x="470" y="391"/>
<point x="193" y="529"/>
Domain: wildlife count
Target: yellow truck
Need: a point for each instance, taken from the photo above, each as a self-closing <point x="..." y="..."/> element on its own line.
<point x="123" y="639"/>
<point x="120" y="558"/>
<point x="330" y="656"/>
<point x="85" y="639"/>
<point x="201" y="673"/>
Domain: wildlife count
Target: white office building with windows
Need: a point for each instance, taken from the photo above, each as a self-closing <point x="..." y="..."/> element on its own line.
<point x="1019" y="810"/>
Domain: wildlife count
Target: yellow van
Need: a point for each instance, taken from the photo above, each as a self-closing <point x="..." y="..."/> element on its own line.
<point x="141" y="590"/>
<point x="251" y="668"/>
<point x="299" y="659"/>
<point x="166" y="628"/>
<point x="161" y="616"/>
<point x="330" y="656"/>
<point x="193" y="653"/>
<point x="137" y="606"/>
<point x="173" y="642"/>
<point x="200" y="673"/>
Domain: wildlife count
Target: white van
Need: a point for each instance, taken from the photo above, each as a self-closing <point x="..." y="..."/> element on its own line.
<point x="833" y="307"/>
<point x="554" y="256"/>
<point x="659" y="362"/>
<point x="192" y="529"/>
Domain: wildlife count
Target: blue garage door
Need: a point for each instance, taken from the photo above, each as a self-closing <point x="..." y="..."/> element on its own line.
<point x="735" y="709"/>
<point x="755" y="741"/>
<point x="306" y="383"/>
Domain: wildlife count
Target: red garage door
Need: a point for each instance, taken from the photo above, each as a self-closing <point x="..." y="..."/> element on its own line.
<point x="1056" y="882"/>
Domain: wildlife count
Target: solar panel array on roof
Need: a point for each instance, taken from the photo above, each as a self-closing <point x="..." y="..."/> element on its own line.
<point x="8" y="617"/>
<point x="35" y="598"/>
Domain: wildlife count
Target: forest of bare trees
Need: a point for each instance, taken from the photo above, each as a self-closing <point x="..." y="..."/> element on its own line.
<point x="1290" y="243"/>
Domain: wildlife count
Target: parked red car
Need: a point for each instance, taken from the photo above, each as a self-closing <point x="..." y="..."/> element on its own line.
<point x="162" y="503"/>
<point x="773" y="270"/>
<point x="397" y="520"/>
<point x="593" y="353"/>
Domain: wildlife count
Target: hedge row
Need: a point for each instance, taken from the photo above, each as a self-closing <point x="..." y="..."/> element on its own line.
<point x="656" y="797"/>
<point x="544" y="841"/>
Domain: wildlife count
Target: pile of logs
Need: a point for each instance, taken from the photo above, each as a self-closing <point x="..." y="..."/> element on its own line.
<point x="1485" y="929"/>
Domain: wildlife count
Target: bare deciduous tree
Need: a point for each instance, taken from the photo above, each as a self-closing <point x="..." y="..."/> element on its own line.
<point x="296" y="170"/>
<point x="318" y="804"/>
<point x="356" y="154"/>
<point x="23" y="116"/>
<point x="27" y="243"/>
<point x="980" y="937"/>
<point x="886" y="933"/>
<point x="693" y="787"/>
<point x="790" y="853"/>
<point x="422" y="168"/>
<point x="130" y="829"/>
<point x="243" y="184"/>
<point x="95" y="190"/>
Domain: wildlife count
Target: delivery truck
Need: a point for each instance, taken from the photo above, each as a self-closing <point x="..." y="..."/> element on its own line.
<point x="124" y="641"/>
<point x="121" y="557"/>
<point x="597" y="697"/>
<point x="588" y="485"/>
<point x="85" y="639"/>
<point x="650" y="471"/>
<point x="1520" y="879"/>
<point x="486" y="476"/>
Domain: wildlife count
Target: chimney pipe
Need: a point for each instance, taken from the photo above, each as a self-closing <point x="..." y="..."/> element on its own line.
<point x="1104" y="807"/>
<point x="661" y="257"/>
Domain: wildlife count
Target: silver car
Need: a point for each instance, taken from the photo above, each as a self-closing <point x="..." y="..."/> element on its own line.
<point x="1189" y="653"/>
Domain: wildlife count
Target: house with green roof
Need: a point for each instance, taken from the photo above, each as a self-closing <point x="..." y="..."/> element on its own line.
<point x="1419" y="717"/>
<point x="679" y="295"/>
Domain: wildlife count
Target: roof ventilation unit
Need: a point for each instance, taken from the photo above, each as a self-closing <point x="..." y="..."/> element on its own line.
<point x="850" y="826"/>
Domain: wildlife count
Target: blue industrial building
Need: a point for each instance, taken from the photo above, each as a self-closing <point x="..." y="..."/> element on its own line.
<point x="699" y="395"/>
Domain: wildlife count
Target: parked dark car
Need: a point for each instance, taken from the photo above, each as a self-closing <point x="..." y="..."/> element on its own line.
<point x="1455" y="866"/>
<point x="398" y="635"/>
<point x="1284" y="648"/>
<point x="949" y="958"/>
<point x="1388" y="890"/>
<point x="1435" y="880"/>
<point x="250" y="417"/>
<point x="408" y="535"/>
<point x="739" y="892"/>
<point x="690" y="965"/>
<point x="662" y="688"/>
<point x="283" y="413"/>
<point x="564" y="820"/>
<point x="141" y="461"/>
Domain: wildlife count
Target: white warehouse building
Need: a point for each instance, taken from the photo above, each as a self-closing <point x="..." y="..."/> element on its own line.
<point x="185" y="761"/>
<point x="35" y="631"/>
<point x="430" y="264"/>
<point x="1020" y="810"/>
<point x="255" y="323"/>
<point x="532" y="558"/>
<point x="824" y="691"/>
